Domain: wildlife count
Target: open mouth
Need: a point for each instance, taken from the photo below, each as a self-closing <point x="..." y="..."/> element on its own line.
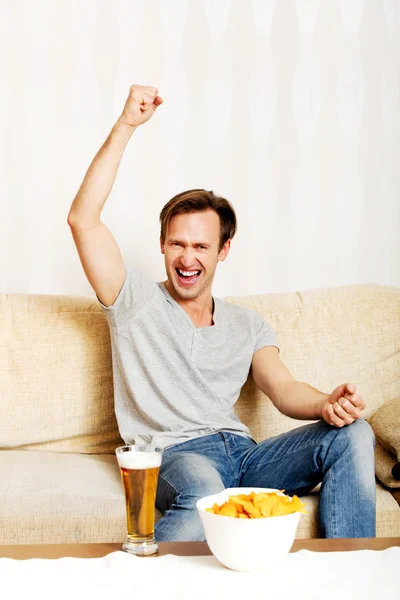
<point x="187" y="278"/>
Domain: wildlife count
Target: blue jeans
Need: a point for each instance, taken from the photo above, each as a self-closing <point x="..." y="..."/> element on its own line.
<point x="342" y="459"/>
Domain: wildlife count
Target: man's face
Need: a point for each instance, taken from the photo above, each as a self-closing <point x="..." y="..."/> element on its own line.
<point x="191" y="252"/>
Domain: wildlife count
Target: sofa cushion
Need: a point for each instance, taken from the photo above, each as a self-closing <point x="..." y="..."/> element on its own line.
<point x="386" y="425"/>
<point x="328" y="337"/>
<point x="50" y="498"/>
<point x="56" y="389"/>
<point x="384" y="464"/>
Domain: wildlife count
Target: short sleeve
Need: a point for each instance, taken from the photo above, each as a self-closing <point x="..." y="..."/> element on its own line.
<point x="136" y="291"/>
<point x="265" y="335"/>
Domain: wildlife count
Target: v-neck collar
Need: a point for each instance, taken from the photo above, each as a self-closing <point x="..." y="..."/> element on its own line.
<point x="193" y="326"/>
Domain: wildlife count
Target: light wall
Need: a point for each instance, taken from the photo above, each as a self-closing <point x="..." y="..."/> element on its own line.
<point x="290" y="109"/>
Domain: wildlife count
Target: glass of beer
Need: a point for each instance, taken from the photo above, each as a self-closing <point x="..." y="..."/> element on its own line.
<point x="139" y="466"/>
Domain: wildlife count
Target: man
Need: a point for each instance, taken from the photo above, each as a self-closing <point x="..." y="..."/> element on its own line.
<point x="180" y="358"/>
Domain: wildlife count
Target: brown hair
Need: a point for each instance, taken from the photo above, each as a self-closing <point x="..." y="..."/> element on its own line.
<point x="199" y="200"/>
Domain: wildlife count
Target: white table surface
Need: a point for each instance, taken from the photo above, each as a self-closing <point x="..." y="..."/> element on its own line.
<point x="363" y="574"/>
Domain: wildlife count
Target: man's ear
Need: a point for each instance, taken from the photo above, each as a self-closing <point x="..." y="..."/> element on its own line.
<point x="162" y="246"/>
<point x="224" y="251"/>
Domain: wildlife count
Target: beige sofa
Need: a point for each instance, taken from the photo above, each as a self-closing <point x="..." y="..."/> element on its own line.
<point x="59" y="478"/>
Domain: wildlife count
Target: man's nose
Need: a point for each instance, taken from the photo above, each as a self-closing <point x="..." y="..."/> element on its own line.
<point x="187" y="257"/>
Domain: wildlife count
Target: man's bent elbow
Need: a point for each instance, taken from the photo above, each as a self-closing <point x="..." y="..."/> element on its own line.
<point x="76" y="222"/>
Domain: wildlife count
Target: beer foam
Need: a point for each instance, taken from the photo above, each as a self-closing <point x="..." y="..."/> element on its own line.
<point x="139" y="460"/>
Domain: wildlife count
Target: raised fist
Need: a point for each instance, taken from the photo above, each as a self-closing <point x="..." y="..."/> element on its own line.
<point x="140" y="105"/>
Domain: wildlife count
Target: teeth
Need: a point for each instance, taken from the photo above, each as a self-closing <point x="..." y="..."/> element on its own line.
<point x="187" y="273"/>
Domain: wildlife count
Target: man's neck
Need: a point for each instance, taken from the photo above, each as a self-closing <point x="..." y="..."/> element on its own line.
<point x="200" y="310"/>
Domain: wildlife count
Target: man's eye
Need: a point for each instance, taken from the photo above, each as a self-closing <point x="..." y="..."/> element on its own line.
<point x="203" y="247"/>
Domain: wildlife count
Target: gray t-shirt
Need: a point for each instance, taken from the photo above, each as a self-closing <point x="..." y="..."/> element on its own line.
<point x="173" y="381"/>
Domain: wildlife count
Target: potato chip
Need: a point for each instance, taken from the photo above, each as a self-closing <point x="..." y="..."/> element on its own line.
<point x="258" y="505"/>
<point x="228" y="510"/>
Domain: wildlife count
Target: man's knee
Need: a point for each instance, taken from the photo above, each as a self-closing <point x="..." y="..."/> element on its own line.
<point x="184" y="478"/>
<point x="358" y="436"/>
<point x="189" y="477"/>
<point x="354" y="443"/>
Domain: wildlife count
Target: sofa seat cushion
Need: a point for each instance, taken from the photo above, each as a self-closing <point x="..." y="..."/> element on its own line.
<point x="48" y="497"/>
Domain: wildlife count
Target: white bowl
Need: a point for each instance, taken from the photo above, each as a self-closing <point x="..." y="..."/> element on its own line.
<point x="247" y="544"/>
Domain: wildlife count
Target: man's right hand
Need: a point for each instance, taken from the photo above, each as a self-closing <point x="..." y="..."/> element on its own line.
<point x="140" y="106"/>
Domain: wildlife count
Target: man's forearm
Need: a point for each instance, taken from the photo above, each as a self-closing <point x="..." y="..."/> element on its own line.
<point x="300" y="401"/>
<point x="99" y="179"/>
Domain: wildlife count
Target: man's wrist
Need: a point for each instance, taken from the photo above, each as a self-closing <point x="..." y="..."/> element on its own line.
<point x="122" y="130"/>
<point x="320" y="404"/>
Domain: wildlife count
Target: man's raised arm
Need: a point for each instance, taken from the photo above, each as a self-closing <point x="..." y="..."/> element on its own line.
<point x="98" y="251"/>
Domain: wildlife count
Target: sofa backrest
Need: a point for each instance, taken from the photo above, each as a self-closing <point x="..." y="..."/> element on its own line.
<point x="328" y="337"/>
<point x="56" y="389"/>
